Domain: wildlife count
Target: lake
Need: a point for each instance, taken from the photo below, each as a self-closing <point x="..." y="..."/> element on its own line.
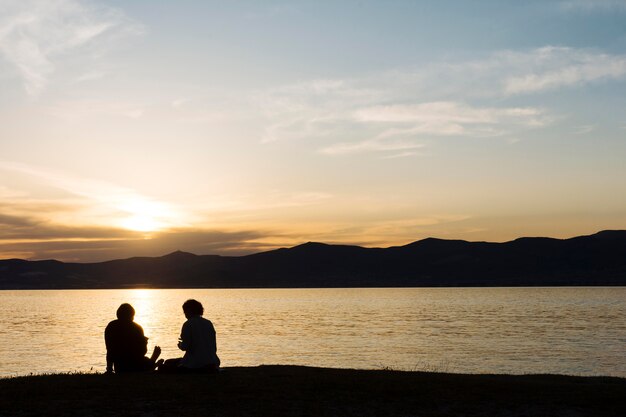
<point x="577" y="331"/>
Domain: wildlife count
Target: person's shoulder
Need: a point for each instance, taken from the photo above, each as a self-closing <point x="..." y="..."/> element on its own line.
<point x="113" y="328"/>
<point x="199" y="320"/>
<point x="137" y="327"/>
<point x="207" y="322"/>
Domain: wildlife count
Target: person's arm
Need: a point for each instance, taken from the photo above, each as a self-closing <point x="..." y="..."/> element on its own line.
<point x="109" y="364"/>
<point x="142" y="341"/>
<point x="213" y="337"/>
<point x="108" y="343"/>
<point x="185" y="337"/>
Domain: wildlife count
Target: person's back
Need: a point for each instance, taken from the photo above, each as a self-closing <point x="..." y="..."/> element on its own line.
<point x="126" y="344"/>
<point x="198" y="342"/>
<point x="197" y="339"/>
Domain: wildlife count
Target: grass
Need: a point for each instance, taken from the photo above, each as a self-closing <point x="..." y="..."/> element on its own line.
<point x="305" y="391"/>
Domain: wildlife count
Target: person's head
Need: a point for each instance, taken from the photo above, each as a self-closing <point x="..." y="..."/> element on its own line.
<point x="192" y="308"/>
<point x="126" y="312"/>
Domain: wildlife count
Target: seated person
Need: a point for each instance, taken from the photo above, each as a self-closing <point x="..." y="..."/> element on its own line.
<point x="197" y="339"/>
<point x="126" y="344"/>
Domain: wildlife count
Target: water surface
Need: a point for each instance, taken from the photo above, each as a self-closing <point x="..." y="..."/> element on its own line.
<point x="580" y="331"/>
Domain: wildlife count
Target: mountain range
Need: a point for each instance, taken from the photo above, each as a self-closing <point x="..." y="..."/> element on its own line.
<point x="598" y="259"/>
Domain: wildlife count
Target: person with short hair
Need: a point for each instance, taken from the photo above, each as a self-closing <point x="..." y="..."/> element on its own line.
<point x="197" y="340"/>
<point x="126" y="344"/>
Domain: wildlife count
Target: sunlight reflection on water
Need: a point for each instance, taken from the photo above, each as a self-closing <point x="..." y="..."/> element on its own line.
<point x="483" y="330"/>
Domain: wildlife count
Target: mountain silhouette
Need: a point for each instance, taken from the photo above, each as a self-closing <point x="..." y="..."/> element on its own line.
<point x="598" y="259"/>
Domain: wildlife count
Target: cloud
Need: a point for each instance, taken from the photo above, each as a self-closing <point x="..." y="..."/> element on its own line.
<point x="554" y="67"/>
<point x="14" y="221"/>
<point x="36" y="34"/>
<point x="400" y="155"/>
<point x="507" y="73"/>
<point x="375" y="145"/>
<point x="397" y="109"/>
<point x="100" y="201"/>
<point x="30" y="228"/>
<point x="315" y="108"/>
<point x="449" y="119"/>
<point x="101" y="244"/>
<point x="76" y="218"/>
<point x="83" y="225"/>
<point x="395" y="125"/>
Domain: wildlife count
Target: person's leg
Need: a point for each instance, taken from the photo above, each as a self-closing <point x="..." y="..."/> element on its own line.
<point x="210" y="369"/>
<point x="170" y="366"/>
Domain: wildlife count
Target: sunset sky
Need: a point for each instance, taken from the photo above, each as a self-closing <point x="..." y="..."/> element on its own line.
<point x="229" y="127"/>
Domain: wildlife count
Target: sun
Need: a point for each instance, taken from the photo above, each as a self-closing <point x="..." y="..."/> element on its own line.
<point x="141" y="223"/>
<point x="143" y="215"/>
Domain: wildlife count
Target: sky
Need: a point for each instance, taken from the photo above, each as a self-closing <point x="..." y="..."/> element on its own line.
<point x="140" y="128"/>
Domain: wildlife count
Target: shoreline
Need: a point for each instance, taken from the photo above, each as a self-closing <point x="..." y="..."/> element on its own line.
<point x="286" y="390"/>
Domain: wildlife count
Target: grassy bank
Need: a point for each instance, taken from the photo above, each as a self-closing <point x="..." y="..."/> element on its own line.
<point x="303" y="391"/>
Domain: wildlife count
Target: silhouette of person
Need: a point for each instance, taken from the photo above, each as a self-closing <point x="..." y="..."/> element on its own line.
<point x="197" y="340"/>
<point x="126" y="344"/>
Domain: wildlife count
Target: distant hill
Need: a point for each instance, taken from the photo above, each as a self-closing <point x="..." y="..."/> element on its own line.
<point x="598" y="259"/>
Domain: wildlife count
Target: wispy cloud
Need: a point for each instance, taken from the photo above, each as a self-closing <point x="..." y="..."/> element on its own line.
<point x="36" y="34"/>
<point x="29" y="228"/>
<point x="385" y="128"/>
<point x="396" y="127"/>
<point x="92" y="244"/>
<point x="375" y="145"/>
<point x="76" y="218"/>
<point x="102" y="202"/>
<point x="554" y="67"/>
<point x="396" y="110"/>
<point x="87" y="221"/>
<point x="312" y="109"/>
<point x="507" y="73"/>
<point x="449" y="119"/>
<point x="400" y="155"/>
